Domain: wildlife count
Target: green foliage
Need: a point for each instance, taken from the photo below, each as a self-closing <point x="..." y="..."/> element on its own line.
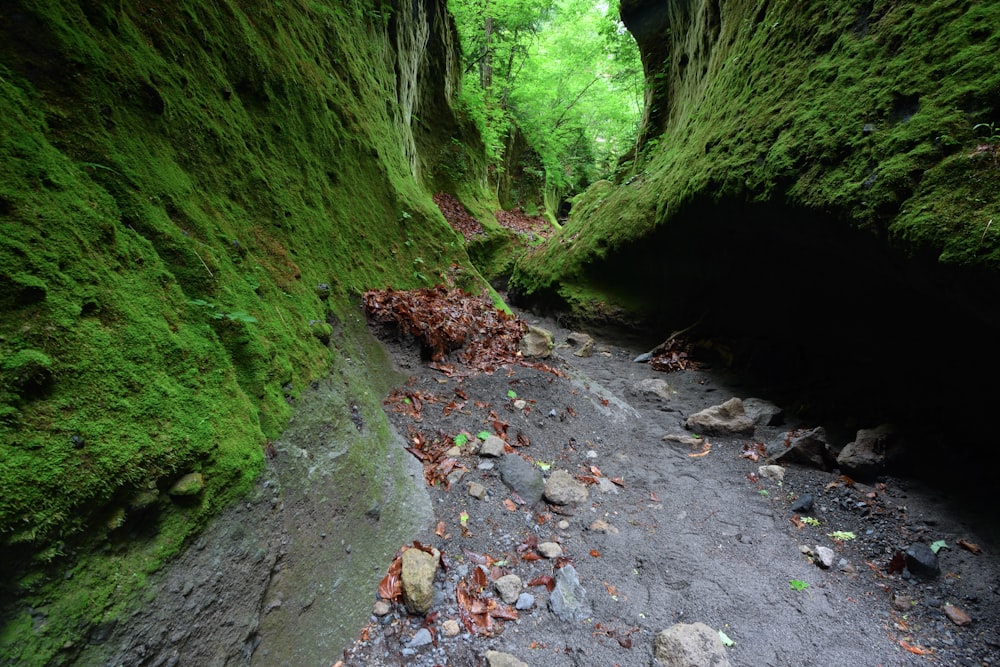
<point x="810" y="521"/>
<point x="876" y="122"/>
<point x="563" y="71"/>
<point x="460" y="439"/>
<point x="797" y="585"/>
<point x="841" y="535"/>
<point x="940" y="544"/>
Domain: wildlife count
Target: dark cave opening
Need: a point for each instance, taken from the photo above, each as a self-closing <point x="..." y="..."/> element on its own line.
<point x="831" y="323"/>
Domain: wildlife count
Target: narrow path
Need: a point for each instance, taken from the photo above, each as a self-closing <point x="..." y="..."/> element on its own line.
<point x="668" y="533"/>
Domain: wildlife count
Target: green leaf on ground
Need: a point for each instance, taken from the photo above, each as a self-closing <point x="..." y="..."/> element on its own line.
<point x="940" y="544"/>
<point x="726" y="641"/>
<point x="798" y="585"/>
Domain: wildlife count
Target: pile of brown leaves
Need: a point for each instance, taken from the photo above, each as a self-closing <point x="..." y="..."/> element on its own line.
<point x="458" y="217"/>
<point x="517" y="221"/>
<point x="675" y="356"/>
<point x="432" y="453"/>
<point x="446" y="320"/>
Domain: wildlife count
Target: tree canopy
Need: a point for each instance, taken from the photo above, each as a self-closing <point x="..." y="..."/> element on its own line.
<point x="566" y="72"/>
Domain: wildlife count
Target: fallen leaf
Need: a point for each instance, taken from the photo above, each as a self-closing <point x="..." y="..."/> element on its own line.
<point x="706" y="447"/>
<point x="595" y="553"/>
<point x="912" y="648"/>
<point x="797" y="522"/>
<point x="969" y="546"/>
<point x="655" y="498"/>
<point x="509" y="504"/>
<point x="440" y="529"/>
<point x="544" y="580"/>
<point x="618" y="481"/>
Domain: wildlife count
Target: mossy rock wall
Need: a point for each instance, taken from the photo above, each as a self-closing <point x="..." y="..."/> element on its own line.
<point x="880" y="116"/>
<point x="191" y="197"/>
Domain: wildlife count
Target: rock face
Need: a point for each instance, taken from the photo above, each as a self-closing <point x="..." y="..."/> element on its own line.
<point x="689" y="645"/>
<point x="727" y="419"/>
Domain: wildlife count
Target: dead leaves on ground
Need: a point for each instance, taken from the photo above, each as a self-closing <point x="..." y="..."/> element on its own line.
<point x="676" y="356"/>
<point x="458" y="217"/>
<point x="447" y="319"/>
<point x="432" y="453"/>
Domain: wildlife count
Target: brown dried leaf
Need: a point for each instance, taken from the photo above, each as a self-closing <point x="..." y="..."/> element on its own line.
<point x="544" y="580"/>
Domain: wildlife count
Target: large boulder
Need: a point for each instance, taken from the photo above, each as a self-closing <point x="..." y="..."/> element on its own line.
<point x="871" y="452"/>
<point x="727" y="419"/>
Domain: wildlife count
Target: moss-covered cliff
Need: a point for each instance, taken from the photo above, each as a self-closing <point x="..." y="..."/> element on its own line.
<point x="877" y="117"/>
<point x="191" y="194"/>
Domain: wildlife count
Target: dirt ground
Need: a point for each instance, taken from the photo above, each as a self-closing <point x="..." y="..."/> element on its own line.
<point x="671" y="533"/>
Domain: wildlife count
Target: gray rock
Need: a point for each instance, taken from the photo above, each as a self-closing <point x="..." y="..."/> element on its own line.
<point x="777" y="473"/>
<point x="804" y="447"/>
<point x="550" y="549"/>
<point x="562" y="489"/>
<point x="508" y="587"/>
<point x="824" y="557"/>
<point x="870" y="453"/>
<point x="643" y="358"/>
<point x="422" y="637"/>
<point x="492" y="447"/>
<point x="568" y="597"/>
<point x="477" y="490"/>
<point x="689" y="645"/>
<point x="763" y="413"/>
<point x="537" y="342"/>
<point x="524" y="602"/>
<point x="500" y="659"/>
<point x="652" y="388"/>
<point x="381" y="608"/>
<point x="522" y="478"/>
<point x="803" y="503"/>
<point x="727" y="419"/>
<point x="417" y="579"/>
<point x="585" y="342"/>
<point x="922" y="561"/>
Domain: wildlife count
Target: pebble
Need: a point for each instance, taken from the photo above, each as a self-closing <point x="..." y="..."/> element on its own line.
<point x="602" y="526"/>
<point x="421" y="638"/>
<point x="550" y="549"/>
<point x="450" y="628"/>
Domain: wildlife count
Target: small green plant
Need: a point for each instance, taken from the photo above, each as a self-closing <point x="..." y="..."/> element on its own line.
<point x="460" y="439"/>
<point x="764" y="492"/>
<point x="482" y="435"/>
<point x="810" y="521"/>
<point x="841" y="535"/>
<point x="992" y="133"/>
<point x="797" y="585"/>
<point x="219" y="314"/>
<point x="511" y="394"/>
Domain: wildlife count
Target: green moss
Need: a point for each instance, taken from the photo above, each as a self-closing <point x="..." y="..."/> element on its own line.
<point x="865" y="115"/>
<point x="154" y="160"/>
